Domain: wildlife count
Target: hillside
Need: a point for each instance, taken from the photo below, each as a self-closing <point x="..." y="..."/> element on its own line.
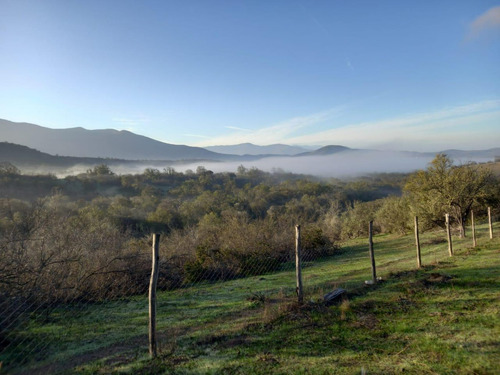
<point x="326" y="150"/>
<point x="444" y="318"/>
<point x="106" y="143"/>
<point x="465" y="156"/>
<point x="23" y="156"/>
<point x="121" y="148"/>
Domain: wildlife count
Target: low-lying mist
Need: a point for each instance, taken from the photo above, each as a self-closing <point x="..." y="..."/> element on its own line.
<point x="344" y="164"/>
<point x="340" y="165"/>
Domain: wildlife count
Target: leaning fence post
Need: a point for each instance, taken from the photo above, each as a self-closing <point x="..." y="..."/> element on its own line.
<point x="489" y="223"/>
<point x="473" y="228"/>
<point x="152" y="295"/>
<point x="417" y="243"/>
<point x="298" y="271"/>
<point x="372" y="254"/>
<point x="448" y="231"/>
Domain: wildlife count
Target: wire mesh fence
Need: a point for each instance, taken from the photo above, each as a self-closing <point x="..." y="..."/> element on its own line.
<point x="68" y="306"/>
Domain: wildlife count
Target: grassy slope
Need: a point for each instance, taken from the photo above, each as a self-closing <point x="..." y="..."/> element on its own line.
<point x="444" y="318"/>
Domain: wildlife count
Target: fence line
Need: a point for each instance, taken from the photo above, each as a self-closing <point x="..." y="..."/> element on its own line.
<point x="298" y="266"/>
<point x="417" y="243"/>
<point x="448" y="231"/>
<point x="152" y="295"/>
<point x="18" y="348"/>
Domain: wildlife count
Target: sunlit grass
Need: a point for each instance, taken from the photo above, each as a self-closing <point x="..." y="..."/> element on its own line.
<point x="408" y="322"/>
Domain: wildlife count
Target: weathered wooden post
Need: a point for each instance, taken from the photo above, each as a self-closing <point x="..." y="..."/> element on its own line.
<point x="490" y="223"/>
<point x="152" y="295"/>
<point x="473" y="229"/>
<point x="448" y="231"/>
<point x="298" y="271"/>
<point x="372" y="254"/>
<point x="417" y="243"/>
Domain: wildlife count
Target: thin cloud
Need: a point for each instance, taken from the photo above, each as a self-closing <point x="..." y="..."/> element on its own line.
<point x="236" y="128"/>
<point x="485" y="23"/>
<point x="447" y="127"/>
<point x="196" y="135"/>
<point x="272" y="134"/>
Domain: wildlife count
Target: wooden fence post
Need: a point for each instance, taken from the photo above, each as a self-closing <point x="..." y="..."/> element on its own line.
<point x="417" y="243"/>
<point x="372" y="254"/>
<point x="473" y="229"/>
<point x="152" y="295"/>
<point x="490" y="223"/>
<point x="298" y="271"/>
<point x="448" y="231"/>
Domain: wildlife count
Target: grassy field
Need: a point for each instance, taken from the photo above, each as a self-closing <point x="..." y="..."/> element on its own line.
<point x="444" y="318"/>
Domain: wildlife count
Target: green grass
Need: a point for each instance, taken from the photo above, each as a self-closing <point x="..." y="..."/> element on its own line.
<point x="444" y="318"/>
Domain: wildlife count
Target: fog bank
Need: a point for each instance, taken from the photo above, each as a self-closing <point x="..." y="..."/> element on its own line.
<point x="340" y="165"/>
<point x="345" y="164"/>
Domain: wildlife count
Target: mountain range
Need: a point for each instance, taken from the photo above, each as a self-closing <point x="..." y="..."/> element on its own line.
<point x="106" y="143"/>
<point x="90" y="147"/>
<point x="251" y="149"/>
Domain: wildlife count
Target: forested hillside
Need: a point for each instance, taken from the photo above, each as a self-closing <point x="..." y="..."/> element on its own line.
<point x="217" y="224"/>
<point x="85" y="238"/>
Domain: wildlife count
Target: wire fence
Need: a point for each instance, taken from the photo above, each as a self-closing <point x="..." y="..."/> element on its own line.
<point x="69" y="318"/>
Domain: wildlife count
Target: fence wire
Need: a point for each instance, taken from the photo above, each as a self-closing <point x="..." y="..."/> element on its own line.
<point x="56" y="320"/>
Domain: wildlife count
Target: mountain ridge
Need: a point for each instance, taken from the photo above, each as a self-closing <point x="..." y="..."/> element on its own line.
<point x="253" y="149"/>
<point x="100" y="143"/>
<point x="125" y="147"/>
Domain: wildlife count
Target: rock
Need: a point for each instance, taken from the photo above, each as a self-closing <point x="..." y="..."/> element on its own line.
<point x="334" y="296"/>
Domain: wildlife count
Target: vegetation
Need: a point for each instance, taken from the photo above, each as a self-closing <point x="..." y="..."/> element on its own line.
<point x="63" y="239"/>
<point x="443" y="318"/>
<point x="445" y="188"/>
<point x="100" y="170"/>
<point x="7" y="168"/>
<point x="83" y="241"/>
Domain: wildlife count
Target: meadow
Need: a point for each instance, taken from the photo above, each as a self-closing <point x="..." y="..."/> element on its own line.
<point x="442" y="318"/>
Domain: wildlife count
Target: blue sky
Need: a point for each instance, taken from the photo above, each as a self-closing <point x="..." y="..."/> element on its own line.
<point x="414" y="75"/>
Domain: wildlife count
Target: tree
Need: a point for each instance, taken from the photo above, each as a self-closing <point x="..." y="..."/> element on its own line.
<point x="100" y="170"/>
<point x="393" y="216"/>
<point x="7" y="168"/>
<point x="152" y="174"/>
<point x="445" y="188"/>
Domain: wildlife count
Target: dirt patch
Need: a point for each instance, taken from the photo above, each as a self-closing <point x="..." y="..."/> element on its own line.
<point x="403" y="274"/>
<point x="236" y="341"/>
<point x="434" y="241"/>
<point x="437" y="278"/>
<point x="368" y="321"/>
<point x="267" y="358"/>
<point x="223" y="341"/>
<point x="211" y="340"/>
<point x="367" y="305"/>
<point x="404" y="303"/>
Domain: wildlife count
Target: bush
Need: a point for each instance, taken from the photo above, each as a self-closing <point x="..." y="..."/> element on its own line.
<point x="394" y="215"/>
<point x="354" y="221"/>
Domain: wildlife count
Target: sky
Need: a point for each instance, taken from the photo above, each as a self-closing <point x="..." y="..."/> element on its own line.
<point x="391" y="75"/>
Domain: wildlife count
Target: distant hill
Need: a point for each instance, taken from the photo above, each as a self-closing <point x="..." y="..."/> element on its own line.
<point x="251" y="149"/>
<point x="327" y="150"/>
<point x="473" y="154"/>
<point x="127" y="152"/>
<point x="23" y="156"/>
<point x="33" y="161"/>
<point x="105" y="143"/>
